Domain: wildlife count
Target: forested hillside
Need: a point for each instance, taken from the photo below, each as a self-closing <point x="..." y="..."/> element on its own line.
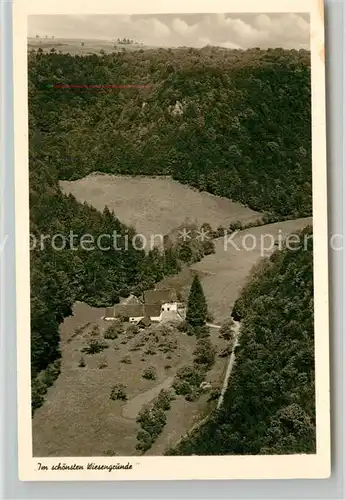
<point x="269" y="406"/>
<point x="234" y="123"/>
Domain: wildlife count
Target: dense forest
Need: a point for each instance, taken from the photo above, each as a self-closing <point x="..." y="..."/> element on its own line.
<point x="269" y="406"/>
<point x="234" y="123"/>
<point x="231" y="122"/>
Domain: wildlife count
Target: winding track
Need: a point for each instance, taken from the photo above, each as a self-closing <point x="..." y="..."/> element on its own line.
<point x="229" y="367"/>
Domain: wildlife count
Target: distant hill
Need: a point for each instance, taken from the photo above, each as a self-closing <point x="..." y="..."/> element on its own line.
<point x="80" y="46"/>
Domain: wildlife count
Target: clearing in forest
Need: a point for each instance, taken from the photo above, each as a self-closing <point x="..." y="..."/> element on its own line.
<point x="156" y="205"/>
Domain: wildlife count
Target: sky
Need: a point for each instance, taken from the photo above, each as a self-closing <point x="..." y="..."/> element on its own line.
<point x="239" y="31"/>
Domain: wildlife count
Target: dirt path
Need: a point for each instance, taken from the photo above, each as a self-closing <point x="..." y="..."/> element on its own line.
<point x="229" y="367"/>
<point x="134" y="405"/>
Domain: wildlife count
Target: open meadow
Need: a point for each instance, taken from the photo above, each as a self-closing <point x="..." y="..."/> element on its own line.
<point x="156" y="205"/>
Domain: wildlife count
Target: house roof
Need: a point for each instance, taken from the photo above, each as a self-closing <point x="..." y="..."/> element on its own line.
<point x="160" y="296"/>
<point x="152" y="310"/>
<point x="109" y="312"/>
<point x="129" y="310"/>
<point x="137" y="310"/>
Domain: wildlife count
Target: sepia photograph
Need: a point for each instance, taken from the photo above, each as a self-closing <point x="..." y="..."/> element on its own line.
<point x="173" y="207"/>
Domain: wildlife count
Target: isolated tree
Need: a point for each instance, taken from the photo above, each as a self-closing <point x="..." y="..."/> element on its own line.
<point x="197" y="305"/>
<point x="204" y="353"/>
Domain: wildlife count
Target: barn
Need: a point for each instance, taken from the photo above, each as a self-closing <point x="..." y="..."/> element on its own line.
<point x="157" y="305"/>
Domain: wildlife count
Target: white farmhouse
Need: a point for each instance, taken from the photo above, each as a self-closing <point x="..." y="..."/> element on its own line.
<point x="157" y="305"/>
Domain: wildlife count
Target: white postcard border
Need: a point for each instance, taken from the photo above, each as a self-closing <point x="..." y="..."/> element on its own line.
<point x="195" y="467"/>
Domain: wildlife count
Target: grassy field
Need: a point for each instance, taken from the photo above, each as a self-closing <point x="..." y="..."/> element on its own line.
<point x="156" y="205"/>
<point x="224" y="273"/>
<point x="78" y="417"/>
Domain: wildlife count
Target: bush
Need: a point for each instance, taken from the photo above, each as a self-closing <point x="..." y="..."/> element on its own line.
<point x="126" y="360"/>
<point x="135" y="348"/>
<point x="150" y="351"/>
<point x="82" y="363"/>
<point x="95" y="331"/>
<point x="118" y="392"/>
<point x="238" y="311"/>
<point x="201" y="332"/>
<point x="167" y="367"/>
<point x="194" y="375"/>
<point x="225" y="352"/>
<point x="150" y="373"/>
<point x="214" y="394"/>
<point x="182" y="387"/>
<point x="236" y="226"/>
<point x="144" y="441"/>
<point x="204" y="352"/>
<point x="164" y="399"/>
<point x="51" y="373"/>
<point x="113" y="331"/>
<point x="152" y="419"/>
<point x="123" y="319"/>
<point x="219" y="232"/>
<point x="132" y="330"/>
<point x="38" y="391"/>
<point x="102" y="364"/>
<point x="190" y="330"/>
<point x="182" y="326"/>
<point x="188" y="380"/>
<point x="94" y="346"/>
<point x="209" y="317"/>
<point x="208" y="247"/>
<point x="227" y="330"/>
<point x="193" y="395"/>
